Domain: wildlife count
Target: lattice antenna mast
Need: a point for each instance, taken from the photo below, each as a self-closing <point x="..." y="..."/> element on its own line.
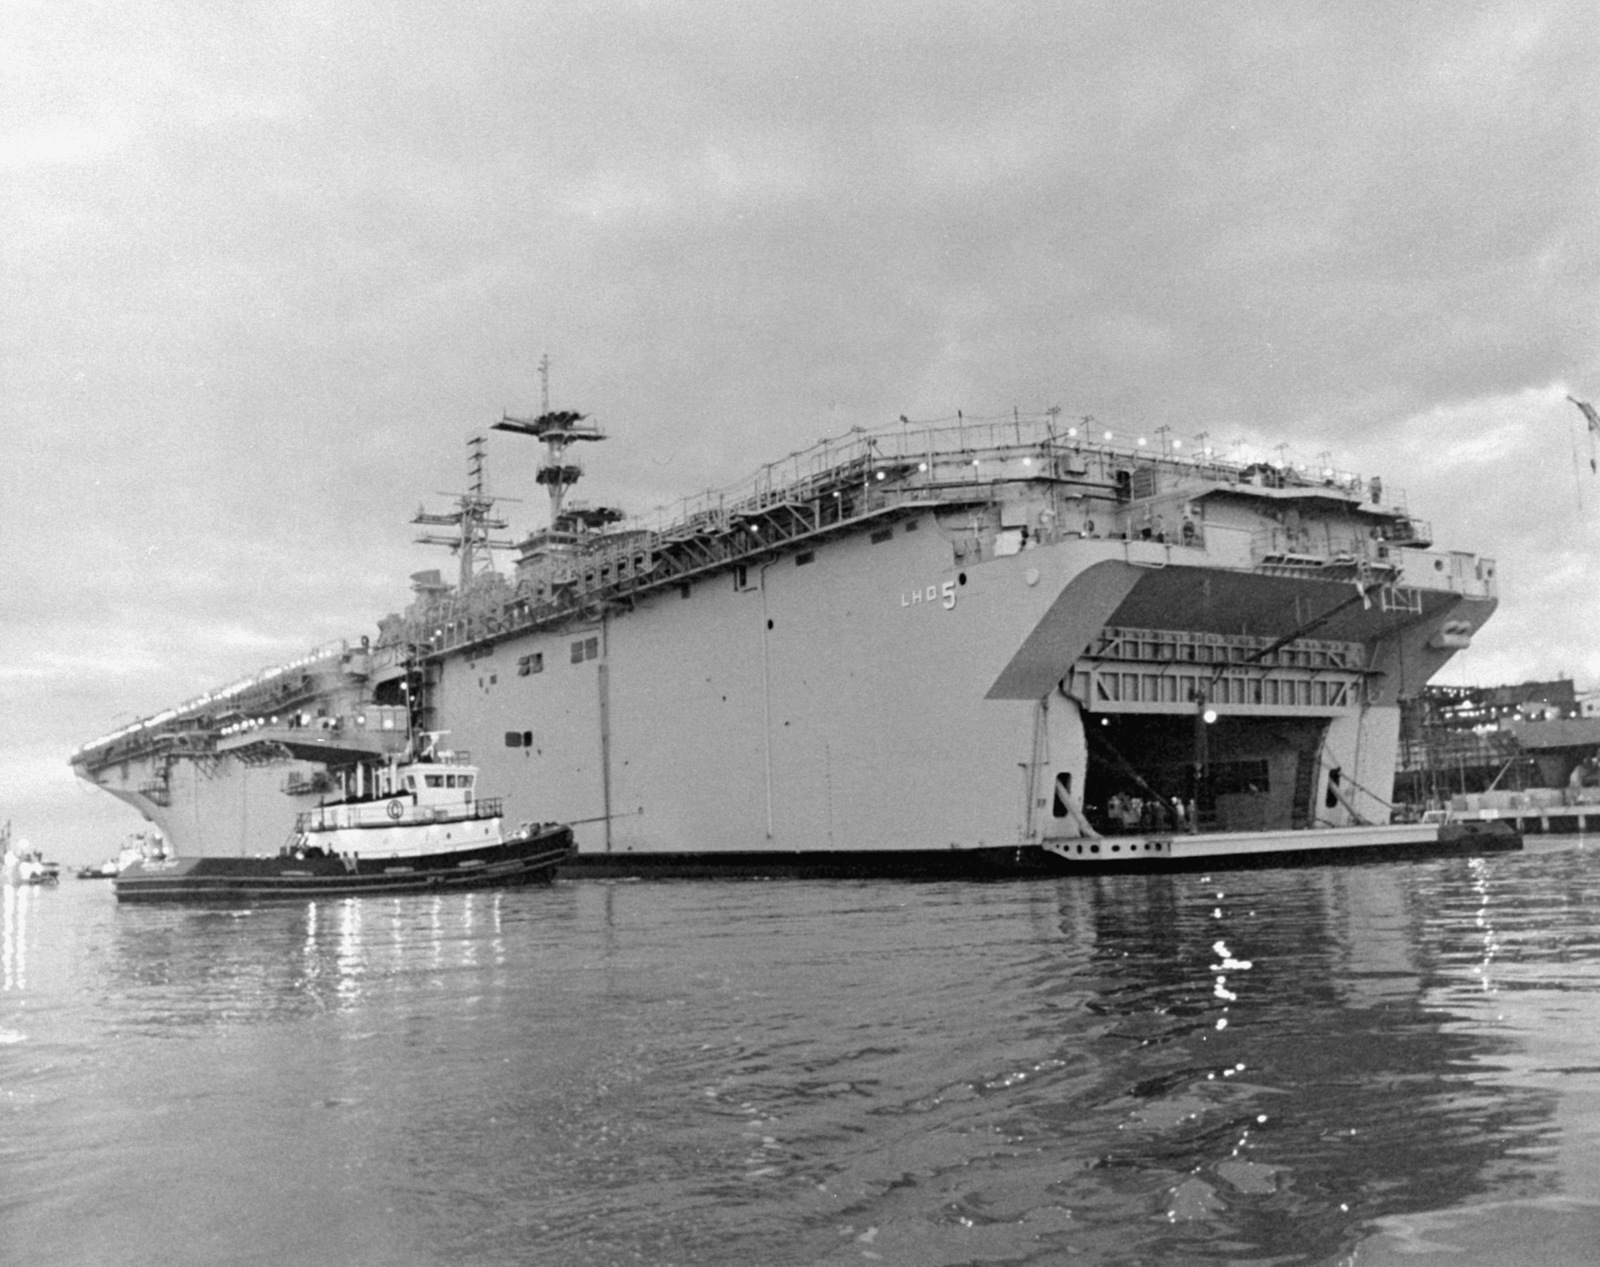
<point x="473" y="519"/>
<point x="558" y="430"/>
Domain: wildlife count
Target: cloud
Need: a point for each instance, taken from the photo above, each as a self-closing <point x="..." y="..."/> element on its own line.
<point x="36" y="771"/>
<point x="269" y="268"/>
<point x="59" y="142"/>
<point x="46" y="668"/>
<point x="1509" y="477"/>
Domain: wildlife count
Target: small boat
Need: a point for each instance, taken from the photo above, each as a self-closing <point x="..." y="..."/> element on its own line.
<point x="33" y="868"/>
<point x="23" y="864"/>
<point x="137" y="847"/>
<point x="408" y="827"/>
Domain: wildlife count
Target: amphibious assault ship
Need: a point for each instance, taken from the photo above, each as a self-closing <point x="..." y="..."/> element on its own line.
<point x="930" y="648"/>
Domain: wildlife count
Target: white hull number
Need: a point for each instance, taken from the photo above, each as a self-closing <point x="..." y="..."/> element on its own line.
<point x="944" y="595"/>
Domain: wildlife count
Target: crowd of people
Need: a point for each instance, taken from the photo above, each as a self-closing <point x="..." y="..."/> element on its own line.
<point x="1131" y="812"/>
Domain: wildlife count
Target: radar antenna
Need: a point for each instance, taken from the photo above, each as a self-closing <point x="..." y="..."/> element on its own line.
<point x="558" y="430"/>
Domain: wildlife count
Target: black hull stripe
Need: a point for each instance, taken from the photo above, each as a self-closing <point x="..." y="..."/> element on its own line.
<point x="1023" y="862"/>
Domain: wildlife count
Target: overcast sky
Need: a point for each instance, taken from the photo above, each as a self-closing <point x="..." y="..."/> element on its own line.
<point x="265" y="267"/>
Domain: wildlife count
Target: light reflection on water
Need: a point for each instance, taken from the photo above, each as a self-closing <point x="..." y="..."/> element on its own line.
<point x="1360" y="1065"/>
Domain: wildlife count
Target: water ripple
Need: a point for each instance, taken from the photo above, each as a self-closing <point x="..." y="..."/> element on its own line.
<point x="1285" y="1067"/>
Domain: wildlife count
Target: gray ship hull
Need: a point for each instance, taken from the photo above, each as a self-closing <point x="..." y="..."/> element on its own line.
<point x="932" y="674"/>
<point x="826" y="713"/>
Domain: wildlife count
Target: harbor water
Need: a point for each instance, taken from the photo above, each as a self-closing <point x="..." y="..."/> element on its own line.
<point x="1385" y="1064"/>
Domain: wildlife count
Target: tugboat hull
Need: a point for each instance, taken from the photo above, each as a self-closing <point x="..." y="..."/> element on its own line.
<point x="527" y="858"/>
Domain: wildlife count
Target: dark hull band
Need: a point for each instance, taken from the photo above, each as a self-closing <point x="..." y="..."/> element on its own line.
<point x="1013" y="862"/>
<point x="902" y="864"/>
<point x="527" y="859"/>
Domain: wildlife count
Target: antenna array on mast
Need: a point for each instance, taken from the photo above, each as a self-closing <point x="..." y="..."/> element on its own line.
<point x="557" y="430"/>
<point x="473" y="518"/>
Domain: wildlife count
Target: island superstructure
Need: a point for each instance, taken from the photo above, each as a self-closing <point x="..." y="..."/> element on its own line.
<point x="926" y="648"/>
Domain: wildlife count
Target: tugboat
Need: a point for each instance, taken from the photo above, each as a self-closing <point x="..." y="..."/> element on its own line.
<point x="410" y="826"/>
<point x="34" y="868"/>
<point x="138" y="846"/>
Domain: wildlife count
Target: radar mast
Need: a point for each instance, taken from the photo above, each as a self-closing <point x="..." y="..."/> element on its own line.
<point x="558" y="430"/>
<point x="473" y="519"/>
